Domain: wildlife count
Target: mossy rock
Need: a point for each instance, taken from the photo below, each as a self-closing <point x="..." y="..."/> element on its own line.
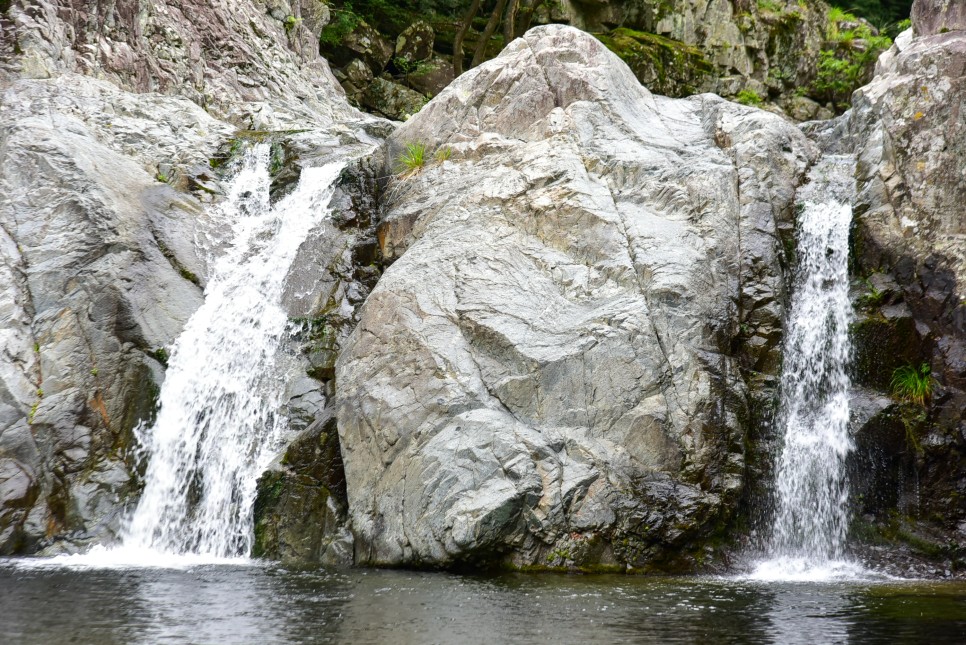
<point x="300" y="504"/>
<point x="664" y="66"/>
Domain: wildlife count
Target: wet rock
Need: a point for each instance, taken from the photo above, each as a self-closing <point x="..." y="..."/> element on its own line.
<point x="909" y="231"/>
<point x="551" y="358"/>
<point x="104" y="241"/>
<point x="300" y="506"/>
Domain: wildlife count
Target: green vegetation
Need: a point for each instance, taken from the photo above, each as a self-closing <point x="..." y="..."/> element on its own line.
<point x="848" y="63"/>
<point x="871" y="300"/>
<point x="160" y="355"/>
<point x="344" y="21"/>
<point x="676" y="68"/>
<point x="443" y="154"/>
<point x="291" y="22"/>
<point x="163" y="178"/>
<point x="912" y="384"/>
<point x="775" y="6"/>
<point x="412" y="160"/>
<point x="749" y="97"/>
<point x="886" y="15"/>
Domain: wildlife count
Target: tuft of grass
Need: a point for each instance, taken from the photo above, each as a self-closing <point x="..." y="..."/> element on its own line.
<point x="443" y="154"/>
<point x="749" y="97"/>
<point x="412" y="160"/>
<point x="912" y="384"/>
<point x="163" y="178"/>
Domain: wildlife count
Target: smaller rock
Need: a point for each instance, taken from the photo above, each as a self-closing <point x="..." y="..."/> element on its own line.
<point x="362" y="42"/>
<point x="432" y="76"/>
<point x="931" y="17"/>
<point x="358" y="73"/>
<point x="802" y="108"/>
<point x="392" y="100"/>
<point x="278" y="9"/>
<point x="415" y="43"/>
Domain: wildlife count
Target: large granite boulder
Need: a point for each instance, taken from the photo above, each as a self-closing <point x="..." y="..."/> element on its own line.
<point x="550" y="371"/>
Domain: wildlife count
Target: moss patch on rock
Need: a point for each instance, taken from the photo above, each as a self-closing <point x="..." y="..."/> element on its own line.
<point x="663" y="65"/>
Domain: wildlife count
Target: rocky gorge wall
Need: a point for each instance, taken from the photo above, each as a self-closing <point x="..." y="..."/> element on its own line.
<point x="554" y="343"/>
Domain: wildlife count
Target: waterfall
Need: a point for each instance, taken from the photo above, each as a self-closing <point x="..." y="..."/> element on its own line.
<point x="218" y="425"/>
<point x="811" y="489"/>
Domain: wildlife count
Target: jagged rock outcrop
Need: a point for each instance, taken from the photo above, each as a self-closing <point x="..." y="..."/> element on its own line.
<point x="553" y="370"/>
<point x="109" y="114"/>
<point x="907" y="129"/>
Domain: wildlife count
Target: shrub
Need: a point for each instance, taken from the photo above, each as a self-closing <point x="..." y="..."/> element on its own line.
<point x="912" y="384"/>
<point x="749" y="97"/>
<point x="344" y="21"/>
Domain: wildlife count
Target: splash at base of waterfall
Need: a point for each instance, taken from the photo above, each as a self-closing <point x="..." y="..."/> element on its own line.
<point x="125" y="557"/>
<point x="803" y="569"/>
<point x="808" y="536"/>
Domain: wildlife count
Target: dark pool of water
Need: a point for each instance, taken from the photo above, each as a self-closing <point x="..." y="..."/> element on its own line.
<point x="266" y="604"/>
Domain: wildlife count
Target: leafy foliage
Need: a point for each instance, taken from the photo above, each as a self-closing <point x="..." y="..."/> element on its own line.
<point x="912" y="384"/>
<point x="855" y="47"/>
<point x="749" y="97"/>
<point x="881" y="13"/>
<point x="344" y="21"/>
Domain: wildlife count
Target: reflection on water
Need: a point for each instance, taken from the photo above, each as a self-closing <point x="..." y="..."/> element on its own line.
<point x="265" y="604"/>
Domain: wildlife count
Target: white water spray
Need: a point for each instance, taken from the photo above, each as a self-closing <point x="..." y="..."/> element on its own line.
<point x="811" y="515"/>
<point x="218" y="426"/>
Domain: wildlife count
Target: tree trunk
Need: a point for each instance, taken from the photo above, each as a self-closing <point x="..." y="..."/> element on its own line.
<point x="488" y="32"/>
<point x="460" y="35"/>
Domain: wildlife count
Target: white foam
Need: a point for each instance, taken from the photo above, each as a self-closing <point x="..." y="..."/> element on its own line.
<point x="804" y="569"/>
<point x="100" y="557"/>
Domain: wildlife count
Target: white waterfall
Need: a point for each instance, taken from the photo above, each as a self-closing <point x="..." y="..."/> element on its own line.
<point x="218" y="424"/>
<point x="811" y="490"/>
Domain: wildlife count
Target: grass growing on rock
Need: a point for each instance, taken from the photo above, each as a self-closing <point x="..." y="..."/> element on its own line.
<point x="912" y="384"/>
<point x="413" y="159"/>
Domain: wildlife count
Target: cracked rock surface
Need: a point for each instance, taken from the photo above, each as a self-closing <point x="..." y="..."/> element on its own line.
<point x="553" y="370"/>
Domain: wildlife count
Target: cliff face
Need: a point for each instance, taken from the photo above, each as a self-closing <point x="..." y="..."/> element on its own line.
<point x="547" y="373"/>
<point x="907" y="129"/>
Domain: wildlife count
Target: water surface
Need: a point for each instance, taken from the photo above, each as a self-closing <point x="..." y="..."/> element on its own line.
<point x="267" y="604"/>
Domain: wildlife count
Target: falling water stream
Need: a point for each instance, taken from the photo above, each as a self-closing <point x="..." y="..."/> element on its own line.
<point x="218" y="425"/>
<point x="811" y="489"/>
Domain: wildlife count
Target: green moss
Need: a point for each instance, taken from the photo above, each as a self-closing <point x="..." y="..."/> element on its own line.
<point x="160" y="355"/>
<point x="667" y="66"/>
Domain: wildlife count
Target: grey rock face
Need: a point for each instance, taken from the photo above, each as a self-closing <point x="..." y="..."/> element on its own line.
<point x="548" y="373"/>
<point x="931" y="17"/>
<point x="232" y="56"/>
<point x="89" y="295"/>
<point x="907" y="130"/>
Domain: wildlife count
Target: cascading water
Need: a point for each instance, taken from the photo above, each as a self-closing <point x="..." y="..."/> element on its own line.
<point x="218" y="425"/>
<point x="811" y="490"/>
